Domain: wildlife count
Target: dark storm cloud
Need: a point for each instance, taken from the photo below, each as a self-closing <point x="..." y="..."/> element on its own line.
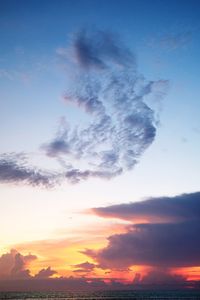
<point x="14" y="169"/>
<point x="169" y="240"/>
<point x="109" y="89"/>
<point x="162" y="209"/>
<point x="167" y="245"/>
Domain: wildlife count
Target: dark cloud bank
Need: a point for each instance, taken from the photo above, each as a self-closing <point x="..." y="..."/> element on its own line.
<point x="179" y="208"/>
<point x="105" y="84"/>
<point x="169" y="239"/>
<point x="162" y="234"/>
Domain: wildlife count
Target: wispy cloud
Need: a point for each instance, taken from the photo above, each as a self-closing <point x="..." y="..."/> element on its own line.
<point x="172" y="40"/>
<point x="14" y="169"/>
<point x="105" y="84"/>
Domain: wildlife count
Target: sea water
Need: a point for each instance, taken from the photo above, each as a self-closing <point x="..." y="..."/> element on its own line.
<point x="106" y="295"/>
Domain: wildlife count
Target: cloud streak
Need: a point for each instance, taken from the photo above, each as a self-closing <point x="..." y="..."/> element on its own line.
<point x="84" y="268"/>
<point x="172" y="40"/>
<point x="185" y="207"/>
<point x="45" y="273"/>
<point x="14" y="169"/>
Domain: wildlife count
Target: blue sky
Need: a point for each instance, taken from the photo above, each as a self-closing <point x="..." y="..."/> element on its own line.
<point x="163" y="36"/>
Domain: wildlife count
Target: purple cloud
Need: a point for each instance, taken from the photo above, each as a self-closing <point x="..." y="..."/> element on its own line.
<point x="168" y="245"/>
<point x="45" y="273"/>
<point x="84" y="268"/>
<point x="14" y="169"/>
<point x="170" y="240"/>
<point x="13" y="265"/>
<point x="161" y="209"/>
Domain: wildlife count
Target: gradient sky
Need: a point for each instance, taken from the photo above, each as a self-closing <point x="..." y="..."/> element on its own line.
<point x="99" y="109"/>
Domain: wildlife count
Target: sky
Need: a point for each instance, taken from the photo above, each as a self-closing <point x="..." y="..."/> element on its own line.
<point x="100" y="137"/>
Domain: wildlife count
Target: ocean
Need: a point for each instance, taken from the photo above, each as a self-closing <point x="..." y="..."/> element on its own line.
<point x="103" y="295"/>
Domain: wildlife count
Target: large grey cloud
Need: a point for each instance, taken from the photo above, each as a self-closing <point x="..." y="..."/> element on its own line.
<point x="161" y="209"/>
<point x="171" y="244"/>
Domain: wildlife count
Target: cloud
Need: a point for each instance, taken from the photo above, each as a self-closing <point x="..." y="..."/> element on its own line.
<point x="97" y="49"/>
<point x="45" y="273"/>
<point x="14" y="265"/>
<point x="85" y="267"/>
<point x="14" y="169"/>
<point x="161" y="277"/>
<point x="172" y="40"/>
<point x="169" y="245"/>
<point x="185" y="207"/>
<point x="172" y="242"/>
<point x="119" y="125"/>
<point x="15" y="276"/>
